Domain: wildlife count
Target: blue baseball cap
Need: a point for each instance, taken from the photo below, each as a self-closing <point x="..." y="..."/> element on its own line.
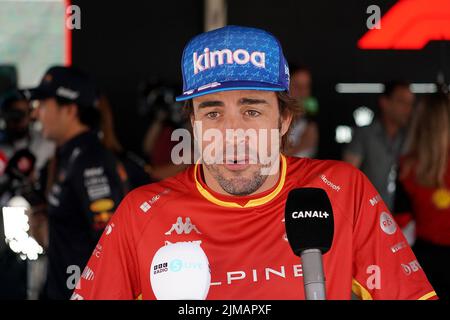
<point x="233" y="58"/>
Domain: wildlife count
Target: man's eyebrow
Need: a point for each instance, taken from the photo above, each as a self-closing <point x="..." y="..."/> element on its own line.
<point x="251" y="101"/>
<point x="210" y="103"/>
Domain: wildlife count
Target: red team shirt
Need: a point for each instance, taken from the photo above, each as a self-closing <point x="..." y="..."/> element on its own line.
<point x="244" y="239"/>
<point x="428" y="206"/>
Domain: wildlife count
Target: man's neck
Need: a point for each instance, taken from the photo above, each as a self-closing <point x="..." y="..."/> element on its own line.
<point x="390" y="127"/>
<point x="71" y="133"/>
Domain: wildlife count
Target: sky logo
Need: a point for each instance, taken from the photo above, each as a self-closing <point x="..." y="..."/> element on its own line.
<point x="176" y="265"/>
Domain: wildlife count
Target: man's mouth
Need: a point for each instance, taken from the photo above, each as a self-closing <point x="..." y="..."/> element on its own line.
<point x="238" y="164"/>
<point x="238" y="161"/>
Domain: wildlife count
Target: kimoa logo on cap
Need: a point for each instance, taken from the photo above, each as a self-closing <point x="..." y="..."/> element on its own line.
<point x="210" y="59"/>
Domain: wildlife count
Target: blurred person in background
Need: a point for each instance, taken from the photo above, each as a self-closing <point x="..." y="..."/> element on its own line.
<point x="375" y="149"/>
<point x="132" y="168"/>
<point x="20" y="132"/>
<point x="164" y="117"/>
<point x="23" y="153"/>
<point x="82" y="184"/>
<point x="303" y="139"/>
<point x="423" y="189"/>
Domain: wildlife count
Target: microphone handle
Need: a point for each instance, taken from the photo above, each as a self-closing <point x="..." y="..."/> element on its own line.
<point x="313" y="276"/>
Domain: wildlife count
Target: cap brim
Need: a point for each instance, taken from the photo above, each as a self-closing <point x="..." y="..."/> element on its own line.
<point x="37" y="93"/>
<point x="229" y="86"/>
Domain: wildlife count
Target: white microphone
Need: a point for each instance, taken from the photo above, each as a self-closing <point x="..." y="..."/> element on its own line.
<point x="180" y="271"/>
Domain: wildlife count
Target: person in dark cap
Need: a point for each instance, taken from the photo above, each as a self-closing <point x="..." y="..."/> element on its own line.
<point x="83" y="185"/>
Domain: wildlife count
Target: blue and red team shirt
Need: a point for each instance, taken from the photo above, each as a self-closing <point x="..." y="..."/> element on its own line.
<point x="245" y="241"/>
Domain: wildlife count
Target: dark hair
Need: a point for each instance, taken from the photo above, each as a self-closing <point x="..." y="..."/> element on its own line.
<point x="88" y="115"/>
<point x="286" y="106"/>
<point x="294" y="68"/>
<point x="391" y="86"/>
<point x="9" y="99"/>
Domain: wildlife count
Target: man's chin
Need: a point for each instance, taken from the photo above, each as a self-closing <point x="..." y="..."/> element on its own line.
<point x="239" y="186"/>
<point x="48" y="136"/>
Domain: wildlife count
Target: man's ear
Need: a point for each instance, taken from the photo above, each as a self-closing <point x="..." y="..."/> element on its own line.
<point x="71" y="110"/>
<point x="286" y="121"/>
<point x="192" y="118"/>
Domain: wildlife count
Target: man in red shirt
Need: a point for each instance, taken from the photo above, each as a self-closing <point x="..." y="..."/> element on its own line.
<point x="237" y="78"/>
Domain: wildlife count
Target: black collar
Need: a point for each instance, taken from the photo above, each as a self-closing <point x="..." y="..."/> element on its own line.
<point x="82" y="139"/>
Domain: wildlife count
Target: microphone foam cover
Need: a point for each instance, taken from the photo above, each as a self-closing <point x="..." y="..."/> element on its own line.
<point x="180" y="271"/>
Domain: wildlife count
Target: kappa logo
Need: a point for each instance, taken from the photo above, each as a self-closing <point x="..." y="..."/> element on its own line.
<point x="210" y="59"/>
<point x="181" y="227"/>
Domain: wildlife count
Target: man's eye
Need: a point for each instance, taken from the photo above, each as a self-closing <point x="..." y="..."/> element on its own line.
<point x="252" y="113"/>
<point x="212" y="115"/>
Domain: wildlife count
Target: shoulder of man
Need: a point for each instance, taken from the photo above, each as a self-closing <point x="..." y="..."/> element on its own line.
<point x="90" y="156"/>
<point x="345" y="184"/>
<point x="143" y="203"/>
<point x="309" y="170"/>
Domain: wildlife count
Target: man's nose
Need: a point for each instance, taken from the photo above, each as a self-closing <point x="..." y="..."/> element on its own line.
<point x="233" y="121"/>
